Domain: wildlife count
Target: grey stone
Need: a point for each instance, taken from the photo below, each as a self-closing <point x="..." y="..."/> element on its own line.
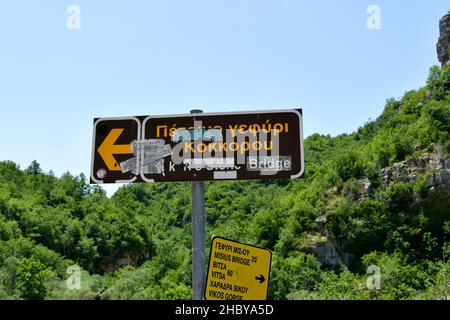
<point x="438" y="178"/>
<point x="444" y="40"/>
<point x="367" y="184"/>
<point x="422" y="163"/>
<point x="326" y="254"/>
<point x="412" y="176"/>
<point x="322" y="220"/>
<point x="447" y="163"/>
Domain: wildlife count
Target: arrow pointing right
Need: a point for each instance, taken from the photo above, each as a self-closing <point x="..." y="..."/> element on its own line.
<point x="261" y="279"/>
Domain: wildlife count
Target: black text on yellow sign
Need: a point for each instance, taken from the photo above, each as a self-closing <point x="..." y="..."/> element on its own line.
<point x="237" y="271"/>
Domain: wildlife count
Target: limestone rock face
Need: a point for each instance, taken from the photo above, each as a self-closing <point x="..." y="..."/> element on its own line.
<point x="435" y="163"/>
<point x="443" y="44"/>
<point x="326" y="253"/>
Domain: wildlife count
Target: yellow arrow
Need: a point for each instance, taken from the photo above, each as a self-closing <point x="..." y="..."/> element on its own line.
<point x="108" y="149"/>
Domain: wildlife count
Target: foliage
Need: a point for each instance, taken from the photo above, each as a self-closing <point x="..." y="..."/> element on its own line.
<point x="31" y="277"/>
<point x="137" y="244"/>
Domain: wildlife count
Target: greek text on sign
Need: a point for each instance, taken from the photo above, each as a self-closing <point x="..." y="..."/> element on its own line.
<point x="237" y="271"/>
<point x="199" y="147"/>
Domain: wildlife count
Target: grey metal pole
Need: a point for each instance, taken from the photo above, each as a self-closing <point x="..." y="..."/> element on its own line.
<point x="198" y="236"/>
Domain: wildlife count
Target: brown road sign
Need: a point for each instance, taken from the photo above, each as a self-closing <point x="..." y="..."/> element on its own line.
<point x="237" y="271"/>
<point x="112" y="145"/>
<point x="199" y="147"/>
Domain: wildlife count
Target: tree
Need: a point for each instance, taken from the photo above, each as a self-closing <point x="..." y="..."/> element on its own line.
<point x="439" y="82"/>
<point x="293" y="274"/>
<point x="31" y="277"/>
<point x="34" y="168"/>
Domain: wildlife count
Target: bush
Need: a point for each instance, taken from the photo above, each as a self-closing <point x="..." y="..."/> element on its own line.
<point x="293" y="274"/>
<point x="348" y="166"/>
<point x="439" y="82"/>
<point x="399" y="279"/>
<point x="342" y="286"/>
<point x="31" y="278"/>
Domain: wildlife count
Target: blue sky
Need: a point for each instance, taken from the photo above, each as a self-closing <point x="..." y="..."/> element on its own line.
<point x="161" y="57"/>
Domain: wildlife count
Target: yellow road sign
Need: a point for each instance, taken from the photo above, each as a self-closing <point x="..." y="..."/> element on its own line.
<point x="237" y="271"/>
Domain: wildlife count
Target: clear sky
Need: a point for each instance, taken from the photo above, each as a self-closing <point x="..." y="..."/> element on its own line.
<point x="160" y="57"/>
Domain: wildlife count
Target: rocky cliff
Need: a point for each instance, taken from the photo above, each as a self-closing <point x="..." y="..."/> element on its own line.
<point x="443" y="44"/>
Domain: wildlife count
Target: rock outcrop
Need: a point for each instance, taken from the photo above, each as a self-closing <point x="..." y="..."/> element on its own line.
<point x="435" y="164"/>
<point x="324" y="247"/>
<point x="443" y="44"/>
<point x="127" y="260"/>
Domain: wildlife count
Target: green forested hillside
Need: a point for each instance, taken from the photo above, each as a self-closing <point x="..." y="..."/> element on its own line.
<point x="379" y="196"/>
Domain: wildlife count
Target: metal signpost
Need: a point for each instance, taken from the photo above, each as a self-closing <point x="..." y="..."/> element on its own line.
<point x="199" y="147"/>
<point x="198" y="236"/>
